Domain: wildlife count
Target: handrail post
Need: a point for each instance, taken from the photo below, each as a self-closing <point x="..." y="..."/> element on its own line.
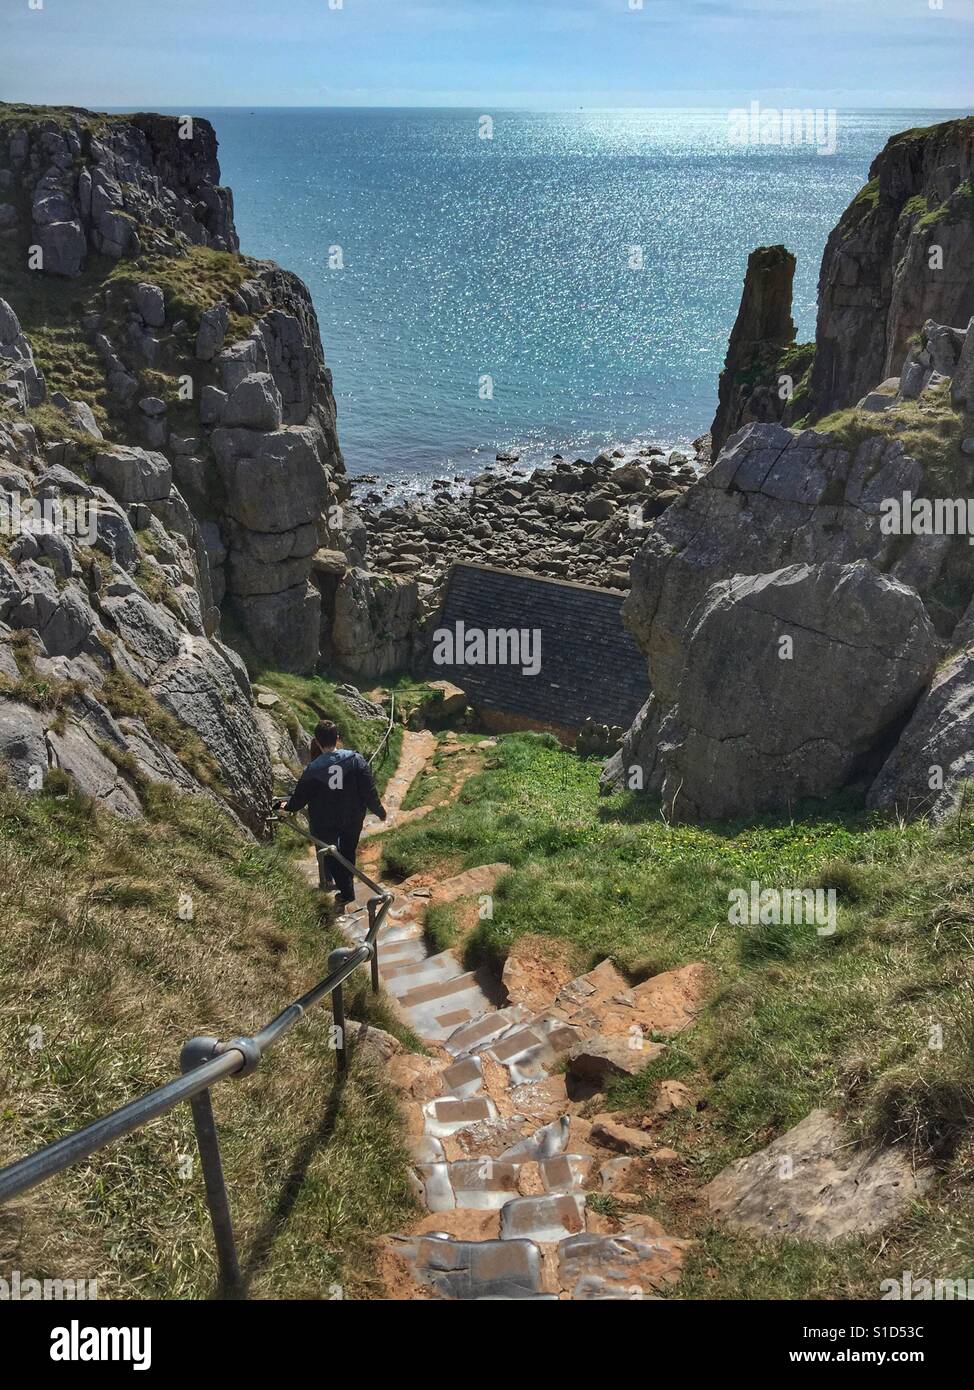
<point x="195" y="1052"/>
<point x="375" y="945"/>
<point x="322" y="855"/>
<point x="335" y="959"/>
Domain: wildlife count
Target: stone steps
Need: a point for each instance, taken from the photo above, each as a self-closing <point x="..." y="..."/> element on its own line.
<point x="436" y="1010"/>
<point x="403" y="979"/>
<point x="491" y="1152"/>
<point x="488" y="1184"/>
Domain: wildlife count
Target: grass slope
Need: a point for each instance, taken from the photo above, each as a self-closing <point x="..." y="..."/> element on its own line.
<point x="796" y="1020"/>
<point x="103" y="978"/>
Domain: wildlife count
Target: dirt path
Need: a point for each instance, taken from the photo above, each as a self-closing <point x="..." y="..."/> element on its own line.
<point x="417" y="750"/>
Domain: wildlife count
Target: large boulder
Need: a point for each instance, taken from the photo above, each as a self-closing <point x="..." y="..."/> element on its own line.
<point x="134" y="475"/>
<point x="23" y="750"/>
<point x="773" y="500"/>
<point x="284" y="627"/>
<point x="212" y="331"/>
<point x="275" y="480"/>
<point x="255" y="404"/>
<point x="792" y="680"/>
<point x="63" y="246"/>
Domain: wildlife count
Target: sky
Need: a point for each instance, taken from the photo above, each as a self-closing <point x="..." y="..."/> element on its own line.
<point x="490" y="54"/>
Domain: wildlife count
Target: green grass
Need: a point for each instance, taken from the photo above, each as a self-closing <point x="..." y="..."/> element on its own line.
<point x="795" y="1020"/>
<point x="930" y="429"/>
<point x="868" y="195"/>
<point x="929" y="213"/>
<point x="98" y="957"/>
<point x="16" y="115"/>
<point x="961" y="127"/>
<point x="441" y="927"/>
<point x="191" y="283"/>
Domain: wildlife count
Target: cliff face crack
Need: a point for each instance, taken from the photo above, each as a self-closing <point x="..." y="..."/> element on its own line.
<point x="830" y="637"/>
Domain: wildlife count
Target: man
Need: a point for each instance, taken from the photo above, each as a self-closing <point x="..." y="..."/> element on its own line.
<point x="338" y="788"/>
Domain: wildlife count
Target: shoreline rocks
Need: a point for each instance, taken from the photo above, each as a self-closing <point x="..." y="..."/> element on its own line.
<point x="575" y="520"/>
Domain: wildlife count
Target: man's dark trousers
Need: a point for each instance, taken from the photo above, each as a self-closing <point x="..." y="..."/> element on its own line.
<point x="345" y="838"/>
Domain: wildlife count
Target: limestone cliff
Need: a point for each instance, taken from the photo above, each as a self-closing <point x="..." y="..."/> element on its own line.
<point x="902" y="253"/>
<point x="900" y="256"/>
<point x="118" y="253"/>
<point x="107" y="671"/>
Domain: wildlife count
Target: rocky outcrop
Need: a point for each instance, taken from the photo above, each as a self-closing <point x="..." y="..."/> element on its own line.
<point x="375" y="624"/>
<point x="901" y="254"/>
<point x="211" y="362"/>
<point x="762" y="331"/>
<point x="22" y="383"/>
<point x="928" y="770"/>
<point x="790" y="630"/>
<point x="77" y="183"/>
<point x="110" y="669"/>
<point x="262" y="467"/>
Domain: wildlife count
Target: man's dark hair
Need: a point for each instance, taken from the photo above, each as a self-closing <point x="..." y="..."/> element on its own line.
<point x="326" y="735"/>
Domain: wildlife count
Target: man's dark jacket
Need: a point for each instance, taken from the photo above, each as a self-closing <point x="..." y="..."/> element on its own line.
<point x="337" y="788"/>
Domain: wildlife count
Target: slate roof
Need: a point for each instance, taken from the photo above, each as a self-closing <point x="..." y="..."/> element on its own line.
<point x="590" y="664"/>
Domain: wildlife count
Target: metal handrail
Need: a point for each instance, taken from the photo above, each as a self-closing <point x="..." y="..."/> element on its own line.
<point x="203" y="1062"/>
<point x="385" y="737"/>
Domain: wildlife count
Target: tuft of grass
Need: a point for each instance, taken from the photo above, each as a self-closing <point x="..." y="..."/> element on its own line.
<point x="121" y="695"/>
<point x="930" y="429"/>
<point x="191" y="283"/>
<point x="30" y="687"/>
<point x="441" y="927"/>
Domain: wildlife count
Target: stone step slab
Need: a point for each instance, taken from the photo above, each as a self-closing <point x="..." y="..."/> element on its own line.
<point x="400" y="980"/>
<point x="475" y="1036"/>
<point x="546" y="1142"/>
<point x="434" y="1011"/>
<point x="625" y="1266"/>
<point x="569" y="1173"/>
<point x="479" y="1184"/>
<point x="545" y="1220"/>
<point x="463" y="1078"/>
<point x="472" y="1270"/>
<point x="445" y="1116"/>
<point x="401" y="952"/>
<point x="527" y="1052"/>
<point x="487" y="1184"/>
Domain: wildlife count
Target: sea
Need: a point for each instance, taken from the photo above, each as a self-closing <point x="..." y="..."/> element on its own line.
<point x="532" y="283"/>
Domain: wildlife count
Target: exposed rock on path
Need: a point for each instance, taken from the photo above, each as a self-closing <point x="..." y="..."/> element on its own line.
<point x="813" y="1183"/>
